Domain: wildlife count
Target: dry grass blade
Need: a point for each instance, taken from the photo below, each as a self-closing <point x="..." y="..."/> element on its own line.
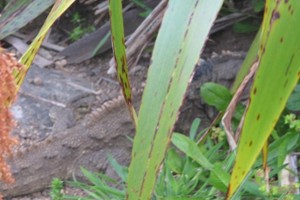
<point x="101" y="8"/>
<point x="226" y="120"/>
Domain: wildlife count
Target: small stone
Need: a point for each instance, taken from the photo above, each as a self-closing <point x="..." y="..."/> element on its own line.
<point x="146" y="55"/>
<point x="36" y="81"/>
<point x="23" y="133"/>
<point x="60" y="63"/>
<point x="111" y="71"/>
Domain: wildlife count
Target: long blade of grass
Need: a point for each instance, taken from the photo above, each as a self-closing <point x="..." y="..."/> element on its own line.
<point x="190" y="148"/>
<point x="173" y="61"/>
<point x="57" y="10"/>
<point x="118" y="42"/>
<point x="277" y="75"/>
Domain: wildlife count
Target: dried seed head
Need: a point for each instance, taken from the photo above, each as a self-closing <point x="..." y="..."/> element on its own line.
<point x="8" y="91"/>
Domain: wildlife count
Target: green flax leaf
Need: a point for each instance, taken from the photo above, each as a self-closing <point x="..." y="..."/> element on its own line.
<point x="275" y="79"/>
<point x="184" y="30"/>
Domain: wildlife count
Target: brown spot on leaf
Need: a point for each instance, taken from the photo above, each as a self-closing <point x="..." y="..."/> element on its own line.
<point x="244" y="172"/>
<point x="196" y="4"/>
<point x="186" y="33"/>
<point x="180" y="50"/>
<point x="250" y="143"/>
<point x="254" y="91"/>
<point x="32" y="51"/>
<point x="26" y="60"/>
<point x="169" y="86"/>
<point x="126" y="84"/>
<point x="261" y="47"/>
<point x="258" y="117"/>
<point x="190" y="20"/>
<point x="123" y="59"/>
<point x="281" y="39"/>
<point x="285" y="83"/>
<point x="299" y="74"/>
<point x="275" y="16"/>
<point x="143" y="182"/>
<point x="289" y="65"/>
<point x="286" y="1"/>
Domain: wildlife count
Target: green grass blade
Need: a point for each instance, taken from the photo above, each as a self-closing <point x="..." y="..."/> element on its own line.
<point x="118" y="43"/>
<point x="275" y="79"/>
<point x="191" y="149"/>
<point x="184" y="30"/>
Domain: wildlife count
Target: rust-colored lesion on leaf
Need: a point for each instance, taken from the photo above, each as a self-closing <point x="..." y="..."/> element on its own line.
<point x="8" y="91"/>
<point x="258" y="117"/>
<point x="250" y="143"/>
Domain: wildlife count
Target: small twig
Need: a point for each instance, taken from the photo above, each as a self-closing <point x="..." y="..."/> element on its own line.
<point x="101" y="8"/>
<point x="56" y="103"/>
<point x="80" y="87"/>
<point x="53" y="47"/>
<point x="239" y="128"/>
<point x="135" y="61"/>
<point x="108" y="80"/>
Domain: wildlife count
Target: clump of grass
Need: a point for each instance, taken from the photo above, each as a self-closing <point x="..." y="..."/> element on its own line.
<point x="81" y="28"/>
<point x="56" y="189"/>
